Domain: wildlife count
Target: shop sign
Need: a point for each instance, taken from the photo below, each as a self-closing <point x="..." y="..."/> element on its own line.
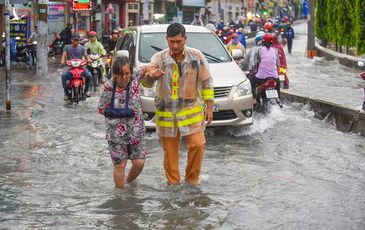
<point x="20" y="28"/>
<point x="81" y="5"/>
<point x="196" y="3"/>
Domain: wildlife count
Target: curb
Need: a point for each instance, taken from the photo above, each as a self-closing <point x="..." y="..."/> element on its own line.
<point x="344" y="59"/>
<point x="346" y="119"/>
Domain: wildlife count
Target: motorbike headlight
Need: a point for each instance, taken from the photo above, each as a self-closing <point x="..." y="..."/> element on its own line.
<point x="243" y="89"/>
<point x="147" y="92"/>
<point x="282" y="70"/>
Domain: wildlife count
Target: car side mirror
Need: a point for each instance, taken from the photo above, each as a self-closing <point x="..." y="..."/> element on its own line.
<point x="237" y="54"/>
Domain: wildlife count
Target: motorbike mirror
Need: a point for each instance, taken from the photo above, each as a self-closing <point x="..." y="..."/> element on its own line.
<point x="88" y="51"/>
<point x="360" y="63"/>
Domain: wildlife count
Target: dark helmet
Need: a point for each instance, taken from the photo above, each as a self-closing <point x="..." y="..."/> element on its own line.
<point x="75" y="36"/>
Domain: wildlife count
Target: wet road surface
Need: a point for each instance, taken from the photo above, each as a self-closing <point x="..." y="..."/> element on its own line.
<point x="286" y="171"/>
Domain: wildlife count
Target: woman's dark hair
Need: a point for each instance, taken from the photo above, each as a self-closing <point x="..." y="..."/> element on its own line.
<point x="175" y="29"/>
<point x="119" y="62"/>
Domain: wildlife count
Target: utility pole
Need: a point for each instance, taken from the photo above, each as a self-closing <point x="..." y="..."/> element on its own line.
<point x="311" y="49"/>
<point x="42" y="55"/>
<point x="7" y="55"/>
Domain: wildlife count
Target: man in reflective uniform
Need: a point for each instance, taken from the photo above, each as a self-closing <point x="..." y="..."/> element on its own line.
<point x="181" y="93"/>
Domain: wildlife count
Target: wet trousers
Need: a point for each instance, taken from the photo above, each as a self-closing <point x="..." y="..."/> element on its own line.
<point x="195" y="144"/>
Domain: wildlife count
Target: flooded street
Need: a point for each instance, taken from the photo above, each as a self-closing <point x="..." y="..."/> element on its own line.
<point x="321" y="79"/>
<point x="287" y="171"/>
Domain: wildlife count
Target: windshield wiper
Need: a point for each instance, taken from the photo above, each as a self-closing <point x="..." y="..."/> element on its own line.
<point x="157" y="48"/>
<point x="212" y="58"/>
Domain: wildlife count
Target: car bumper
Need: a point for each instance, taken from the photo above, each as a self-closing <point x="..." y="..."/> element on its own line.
<point x="236" y="111"/>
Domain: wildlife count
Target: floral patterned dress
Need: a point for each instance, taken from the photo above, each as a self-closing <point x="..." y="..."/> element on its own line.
<point x="126" y="136"/>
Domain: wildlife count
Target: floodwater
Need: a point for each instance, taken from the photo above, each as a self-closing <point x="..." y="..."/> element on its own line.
<point x="321" y="79"/>
<point x="287" y="171"/>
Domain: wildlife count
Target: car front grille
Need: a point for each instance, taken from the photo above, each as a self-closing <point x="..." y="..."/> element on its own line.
<point x="222" y="91"/>
<point x="224" y="115"/>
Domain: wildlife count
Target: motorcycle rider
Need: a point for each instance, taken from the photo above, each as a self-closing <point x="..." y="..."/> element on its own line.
<point x="95" y="48"/>
<point x="74" y="51"/>
<point x="33" y="38"/>
<point x="266" y="60"/>
<point x="111" y="42"/>
<point x="282" y="58"/>
<point x="235" y="44"/>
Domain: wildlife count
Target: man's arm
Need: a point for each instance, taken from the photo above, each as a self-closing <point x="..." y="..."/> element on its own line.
<point x="63" y="58"/>
<point x="207" y="87"/>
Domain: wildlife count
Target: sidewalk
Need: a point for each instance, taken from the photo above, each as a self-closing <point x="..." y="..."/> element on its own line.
<point x="25" y="87"/>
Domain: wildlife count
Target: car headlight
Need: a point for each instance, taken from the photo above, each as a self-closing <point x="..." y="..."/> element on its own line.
<point x="147" y="92"/>
<point x="243" y="89"/>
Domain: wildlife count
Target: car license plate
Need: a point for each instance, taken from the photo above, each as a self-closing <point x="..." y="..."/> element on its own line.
<point x="215" y="107"/>
<point x="282" y="77"/>
<point x="271" y="93"/>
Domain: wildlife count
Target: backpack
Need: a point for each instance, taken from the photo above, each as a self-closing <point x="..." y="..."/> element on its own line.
<point x="63" y="35"/>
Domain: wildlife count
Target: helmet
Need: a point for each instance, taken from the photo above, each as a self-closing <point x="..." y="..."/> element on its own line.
<point x="267" y="38"/>
<point x="75" y="36"/>
<point x="234" y="35"/>
<point x="259" y="36"/>
<point x="92" y="33"/>
<point x="268" y="26"/>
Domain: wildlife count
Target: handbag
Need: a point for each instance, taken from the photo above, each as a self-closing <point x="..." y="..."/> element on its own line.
<point x="111" y="112"/>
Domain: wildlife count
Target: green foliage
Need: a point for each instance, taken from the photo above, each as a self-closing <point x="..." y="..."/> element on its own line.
<point x="360" y="26"/>
<point x="341" y="22"/>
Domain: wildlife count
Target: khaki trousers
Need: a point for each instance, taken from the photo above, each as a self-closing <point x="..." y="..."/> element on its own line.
<point x="195" y="144"/>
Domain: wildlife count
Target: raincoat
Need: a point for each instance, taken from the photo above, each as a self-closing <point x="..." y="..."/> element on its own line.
<point x="181" y="92"/>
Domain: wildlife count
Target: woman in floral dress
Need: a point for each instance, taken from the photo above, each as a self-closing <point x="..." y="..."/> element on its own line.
<point x="125" y="135"/>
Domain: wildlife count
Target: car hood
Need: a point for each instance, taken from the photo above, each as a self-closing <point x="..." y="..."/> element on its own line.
<point x="226" y="74"/>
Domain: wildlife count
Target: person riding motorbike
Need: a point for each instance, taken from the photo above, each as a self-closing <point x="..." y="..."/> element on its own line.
<point x="33" y="41"/>
<point x="263" y="62"/>
<point x="111" y="42"/>
<point x="281" y="53"/>
<point x="235" y="44"/>
<point x="74" y="51"/>
<point x="95" y="47"/>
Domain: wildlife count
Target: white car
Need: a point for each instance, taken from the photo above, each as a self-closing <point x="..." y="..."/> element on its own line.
<point x="232" y="90"/>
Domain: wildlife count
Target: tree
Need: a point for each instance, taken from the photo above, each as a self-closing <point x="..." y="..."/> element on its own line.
<point x="360" y="26"/>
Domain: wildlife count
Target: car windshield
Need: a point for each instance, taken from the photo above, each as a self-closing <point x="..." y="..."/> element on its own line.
<point x="214" y="51"/>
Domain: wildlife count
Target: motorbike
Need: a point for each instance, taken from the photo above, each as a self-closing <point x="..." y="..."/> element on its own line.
<point x="108" y="64"/>
<point x="96" y="69"/>
<point x="284" y="80"/>
<point x="362" y="75"/>
<point x="77" y="83"/>
<point x="266" y="94"/>
<point x="21" y="53"/>
<point x="56" y="46"/>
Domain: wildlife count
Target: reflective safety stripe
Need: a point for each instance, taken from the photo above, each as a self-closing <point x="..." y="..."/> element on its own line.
<point x="175" y="83"/>
<point x="164" y="114"/>
<point x="208" y="94"/>
<point x="168" y="124"/>
<point x="191" y="121"/>
<point x="190" y="111"/>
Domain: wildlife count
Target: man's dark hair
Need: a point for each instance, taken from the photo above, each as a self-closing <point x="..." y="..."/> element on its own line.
<point x="175" y="29"/>
<point x="118" y="64"/>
